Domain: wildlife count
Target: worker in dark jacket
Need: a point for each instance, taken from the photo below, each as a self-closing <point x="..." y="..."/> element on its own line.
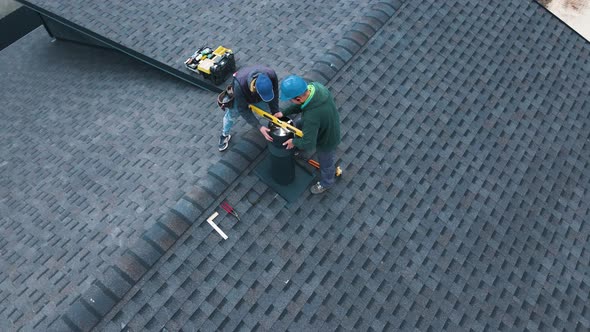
<point x="320" y="124"/>
<point x="257" y="85"/>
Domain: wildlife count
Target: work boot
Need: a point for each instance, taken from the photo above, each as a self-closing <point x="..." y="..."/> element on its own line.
<point x="317" y="189"/>
<point x="224" y="142"/>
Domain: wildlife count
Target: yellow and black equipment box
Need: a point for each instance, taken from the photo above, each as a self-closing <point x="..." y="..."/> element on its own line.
<point x="213" y="65"/>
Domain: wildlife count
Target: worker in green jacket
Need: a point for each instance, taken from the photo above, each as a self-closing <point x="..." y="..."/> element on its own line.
<point x="320" y="124"/>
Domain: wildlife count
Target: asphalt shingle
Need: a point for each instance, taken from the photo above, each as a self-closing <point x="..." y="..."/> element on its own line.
<point x="462" y="206"/>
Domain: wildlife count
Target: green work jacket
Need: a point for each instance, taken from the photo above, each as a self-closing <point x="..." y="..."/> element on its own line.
<point x="321" y="121"/>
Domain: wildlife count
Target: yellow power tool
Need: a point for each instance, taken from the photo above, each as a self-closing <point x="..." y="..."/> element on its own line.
<point x="276" y="121"/>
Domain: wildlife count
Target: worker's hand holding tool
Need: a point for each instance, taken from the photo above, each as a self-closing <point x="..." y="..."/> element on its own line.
<point x="264" y="131"/>
<point x="289" y="144"/>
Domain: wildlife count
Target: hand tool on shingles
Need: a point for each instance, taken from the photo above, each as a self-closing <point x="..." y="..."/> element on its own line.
<point x="215" y="227"/>
<point x="317" y="165"/>
<point x="229" y="209"/>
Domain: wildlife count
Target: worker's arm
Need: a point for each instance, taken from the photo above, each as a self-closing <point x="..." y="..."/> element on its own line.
<point x="310" y="136"/>
<point x="274" y="108"/>
<point x="243" y="108"/>
<point x="292" y="109"/>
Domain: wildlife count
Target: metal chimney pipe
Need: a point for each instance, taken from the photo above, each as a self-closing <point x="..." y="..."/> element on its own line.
<point x="282" y="160"/>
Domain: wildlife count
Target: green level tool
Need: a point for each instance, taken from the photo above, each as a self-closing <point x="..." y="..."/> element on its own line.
<point x="276" y="121"/>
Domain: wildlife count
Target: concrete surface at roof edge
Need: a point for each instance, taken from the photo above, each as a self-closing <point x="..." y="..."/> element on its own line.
<point x="7" y="7"/>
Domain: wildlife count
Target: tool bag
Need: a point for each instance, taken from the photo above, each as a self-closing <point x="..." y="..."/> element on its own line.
<point x="226" y="98"/>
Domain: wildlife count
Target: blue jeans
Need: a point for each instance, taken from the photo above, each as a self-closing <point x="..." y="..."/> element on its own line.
<point x="231" y="114"/>
<point x="327" y="160"/>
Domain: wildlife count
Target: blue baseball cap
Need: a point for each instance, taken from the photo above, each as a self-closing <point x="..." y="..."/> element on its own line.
<point x="264" y="87"/>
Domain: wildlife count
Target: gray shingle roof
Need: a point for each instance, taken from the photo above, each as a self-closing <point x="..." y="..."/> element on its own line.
<point x="464" y="203"/>
<point x="95" y="148"/>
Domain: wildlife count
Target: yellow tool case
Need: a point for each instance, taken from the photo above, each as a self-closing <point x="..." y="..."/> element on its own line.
<point x="213" y="65"/>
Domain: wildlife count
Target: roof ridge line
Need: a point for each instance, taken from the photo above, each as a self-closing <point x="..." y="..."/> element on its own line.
<point x="326" y="68"/>
<point x="147" y="251"/>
